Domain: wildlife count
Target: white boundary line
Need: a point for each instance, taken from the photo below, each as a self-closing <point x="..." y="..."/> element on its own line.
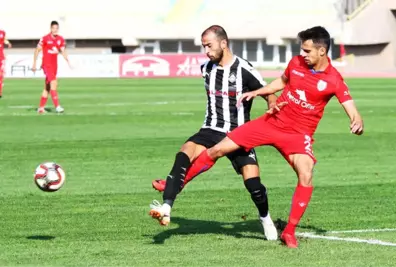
<point x="352" y="239"/>
<point x="363" y="231"/>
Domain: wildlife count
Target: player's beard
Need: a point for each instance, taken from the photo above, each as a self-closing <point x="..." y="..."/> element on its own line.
<point x="218" y="56"/>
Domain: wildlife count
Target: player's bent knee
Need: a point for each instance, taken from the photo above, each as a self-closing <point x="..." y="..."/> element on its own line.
<point x="192" y="150"/>
<point x="249" y="171"/>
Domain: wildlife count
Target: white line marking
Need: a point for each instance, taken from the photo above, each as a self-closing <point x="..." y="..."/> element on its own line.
<point x="20" y="107"/>
<point x="115" y="104"/>
<point x="348" y="239"/>
<point x="363" y="231"/>
<point x="182" y="113"/>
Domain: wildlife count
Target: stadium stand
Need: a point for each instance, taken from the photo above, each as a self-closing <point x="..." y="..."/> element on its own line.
<point x="261" y="30"/>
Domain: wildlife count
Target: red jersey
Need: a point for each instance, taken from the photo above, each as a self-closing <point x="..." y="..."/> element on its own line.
<point x="307" y="93"/>
<point x="51" y="46"/>
<point x="2" y="39"/>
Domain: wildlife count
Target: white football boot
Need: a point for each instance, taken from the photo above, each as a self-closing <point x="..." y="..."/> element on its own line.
<point x="59" y="109"/>
<point x="270" y="231"/>
<point x="160" y="212"/>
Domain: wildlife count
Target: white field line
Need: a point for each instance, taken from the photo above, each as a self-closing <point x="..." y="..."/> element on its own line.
<point x="363" y="231"/>
<point x="348" y="239"/>
<point x="16" y="114"/>
<point x="117" y="104"/>
<point x="352" y="239"/>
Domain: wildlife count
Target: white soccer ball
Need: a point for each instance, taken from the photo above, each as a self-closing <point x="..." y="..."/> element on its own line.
<point x="49" y="176"/>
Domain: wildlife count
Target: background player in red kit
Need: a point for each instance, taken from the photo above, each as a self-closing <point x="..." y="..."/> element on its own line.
<point x="309" y="82"/>
<point x="3" y="41"/>
<point x="51" y="44"/>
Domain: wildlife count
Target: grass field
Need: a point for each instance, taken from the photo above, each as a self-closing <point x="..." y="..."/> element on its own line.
<point x="118" y="135"/>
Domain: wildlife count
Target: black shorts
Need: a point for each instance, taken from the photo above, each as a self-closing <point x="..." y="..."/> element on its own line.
<point x="239" y="158"/>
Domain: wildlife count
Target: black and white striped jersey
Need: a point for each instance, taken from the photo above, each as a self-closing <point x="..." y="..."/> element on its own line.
<point x="224" y="85"/>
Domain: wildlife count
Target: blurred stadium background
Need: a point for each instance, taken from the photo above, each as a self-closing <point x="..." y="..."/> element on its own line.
<point x="107" y="39"/>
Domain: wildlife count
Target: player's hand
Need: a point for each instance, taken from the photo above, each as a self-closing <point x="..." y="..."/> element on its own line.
<point x="357" y="126"/>
<point x="34" y="68"/>
<point x="9" y="45"/>
<point x="276" y="107"/>
<point x="246" y="96"/>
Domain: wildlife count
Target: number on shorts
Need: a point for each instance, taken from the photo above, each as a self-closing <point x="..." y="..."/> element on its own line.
<point x="308" y="144"/>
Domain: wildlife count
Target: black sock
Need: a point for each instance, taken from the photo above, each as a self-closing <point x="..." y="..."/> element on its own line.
<point x="175" y="179"/>
<point x="258" y="193"/>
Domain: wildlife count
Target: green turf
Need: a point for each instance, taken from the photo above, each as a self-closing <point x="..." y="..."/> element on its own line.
<point x="117" y="135"/>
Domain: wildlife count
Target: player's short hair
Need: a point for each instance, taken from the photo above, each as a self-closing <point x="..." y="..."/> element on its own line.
<point x="319" y="36"/>
<point x="54" y="22"/>
<point x="218" y="31"/>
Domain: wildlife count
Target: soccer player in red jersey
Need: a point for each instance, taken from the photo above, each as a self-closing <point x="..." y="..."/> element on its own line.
<point x="51" y="44"/>
<point x="3" y="41"/>
<point x="308" y="83"/>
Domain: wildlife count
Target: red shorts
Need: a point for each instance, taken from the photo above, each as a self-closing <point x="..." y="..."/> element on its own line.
<point x="50" y="73"/>
<point x="261" y="132"/>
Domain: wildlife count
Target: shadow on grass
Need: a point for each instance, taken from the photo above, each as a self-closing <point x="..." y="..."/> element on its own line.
<point x="242" y="229"/>
<point x="41" y="237"/>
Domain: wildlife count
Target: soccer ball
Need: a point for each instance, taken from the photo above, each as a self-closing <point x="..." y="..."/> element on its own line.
<point x="49" y="176"/>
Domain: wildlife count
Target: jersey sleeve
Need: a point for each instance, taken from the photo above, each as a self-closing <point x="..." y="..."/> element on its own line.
<point x="202" y="69"/>
<point x="342" y="92"/>
<point x="292" y="63"/>
<point x="252" y="79"/>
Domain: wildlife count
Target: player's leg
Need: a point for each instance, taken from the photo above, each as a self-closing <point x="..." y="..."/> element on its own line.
<point x="246" y="136"/>
<point x="2" y="67"/>
<point x="203" y="139"/>
<point x="245" y="163"/>
<point x="54" y="93"/>
<point x="299" y="155"/>
<point x="44" y="97"/>
<point x="175" y="180"/>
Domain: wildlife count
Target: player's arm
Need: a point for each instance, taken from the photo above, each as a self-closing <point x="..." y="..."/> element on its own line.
<point x="7" y="42"/>
<point x="344" y="97"/>
<point x="64" y="54"/>
<point x="273" y="87"/>
<point x="63" y="51"/>
<point x="270" y="89"/>
<point x="36" y="53"/>
<point x="254" y="81"/>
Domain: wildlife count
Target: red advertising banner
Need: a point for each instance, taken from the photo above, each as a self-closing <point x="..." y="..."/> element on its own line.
<point x="176" y="65"/>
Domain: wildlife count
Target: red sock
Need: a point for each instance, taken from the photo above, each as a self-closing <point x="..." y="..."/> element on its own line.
<point x="200" y="165"/>
<point x="302" y="196"/>
<point x="54" y="95"/>
<point x="43" y="101"/>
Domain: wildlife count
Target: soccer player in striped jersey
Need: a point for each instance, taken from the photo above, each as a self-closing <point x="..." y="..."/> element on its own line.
<point x="226" y="77"/>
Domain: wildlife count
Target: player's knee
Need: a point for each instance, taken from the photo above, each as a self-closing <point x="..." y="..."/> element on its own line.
<point x="305" y="178"/>
<point x="256" y="189"/>
<point x="188" y="149"/>
<point x="249" y="171"/>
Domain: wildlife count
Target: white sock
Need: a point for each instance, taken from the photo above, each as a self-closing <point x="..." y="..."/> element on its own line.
<point x="266" y="219"/>
<point x="167" y="208"/>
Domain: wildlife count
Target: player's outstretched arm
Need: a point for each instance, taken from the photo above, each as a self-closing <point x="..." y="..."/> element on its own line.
<point x="273" y="87"/>
<point x="356" y="125"/>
